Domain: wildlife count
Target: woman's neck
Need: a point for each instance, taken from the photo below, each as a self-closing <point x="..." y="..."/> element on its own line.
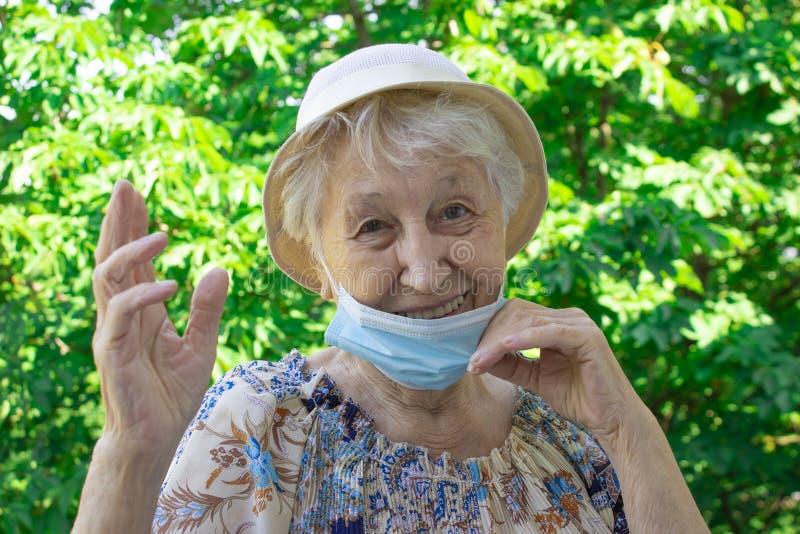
<point x="468" y="419"/>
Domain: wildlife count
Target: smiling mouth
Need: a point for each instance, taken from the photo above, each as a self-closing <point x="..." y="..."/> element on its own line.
<point x="435" y="313"/>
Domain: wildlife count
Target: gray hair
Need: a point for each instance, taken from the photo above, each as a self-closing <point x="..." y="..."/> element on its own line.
<point x="400" y="128"/>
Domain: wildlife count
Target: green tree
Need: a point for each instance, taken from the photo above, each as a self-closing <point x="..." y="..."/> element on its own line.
<point x="670" y="130"/>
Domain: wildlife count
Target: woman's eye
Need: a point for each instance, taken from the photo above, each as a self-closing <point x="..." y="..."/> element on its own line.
<point x="455" y="211"/>
<point x="373" y="225"/>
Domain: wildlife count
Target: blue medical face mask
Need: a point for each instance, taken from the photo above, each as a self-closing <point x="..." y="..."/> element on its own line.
<point x="416" y="353"/>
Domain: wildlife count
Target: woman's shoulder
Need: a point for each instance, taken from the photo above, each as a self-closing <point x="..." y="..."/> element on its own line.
<point x="238" y="460"/>
<point x="253" y="392"/>
<point x="282" y="378"/>
<point x="579" y="447"/>
<point x="540" y="420"/>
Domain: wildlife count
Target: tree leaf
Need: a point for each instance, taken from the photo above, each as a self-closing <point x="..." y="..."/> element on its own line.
<point x="258" y="47"/>
<point x="473" y="21"/>
<point x="681" y="98"/>
<point x="664" y="17"/>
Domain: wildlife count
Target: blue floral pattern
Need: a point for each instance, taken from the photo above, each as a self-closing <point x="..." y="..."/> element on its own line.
<point x="275" y="448"/>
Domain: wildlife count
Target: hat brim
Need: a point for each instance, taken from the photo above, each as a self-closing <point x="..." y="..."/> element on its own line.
<point x="294" y="258"/>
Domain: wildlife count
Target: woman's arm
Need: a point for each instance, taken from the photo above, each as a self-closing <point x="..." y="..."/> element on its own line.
<point x="151" y="378"/>
<point x="655" y="493"/>
<point x="579" y="377"/>
<point x="121" y="489"/>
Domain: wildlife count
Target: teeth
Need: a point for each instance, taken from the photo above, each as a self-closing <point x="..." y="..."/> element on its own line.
<point x="438" y="312"/>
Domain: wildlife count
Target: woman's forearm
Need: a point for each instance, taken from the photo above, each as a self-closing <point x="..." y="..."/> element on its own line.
<point x="654" y="491"/>
<point x="121" y="490"/>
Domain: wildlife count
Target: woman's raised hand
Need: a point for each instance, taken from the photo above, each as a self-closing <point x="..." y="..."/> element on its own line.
<point x="152" y="379"/>
<point x="579" y="377"/>
<point x="576" y="372"/>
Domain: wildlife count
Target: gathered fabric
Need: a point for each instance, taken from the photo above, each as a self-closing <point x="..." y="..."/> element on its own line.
<point x="275" y="448"/>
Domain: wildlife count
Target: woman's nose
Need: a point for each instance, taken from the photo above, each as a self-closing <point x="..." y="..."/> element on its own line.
<point x="425" y="266"/>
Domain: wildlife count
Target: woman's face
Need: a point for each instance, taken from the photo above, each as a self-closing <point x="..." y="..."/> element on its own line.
<point x="425" y="243"/>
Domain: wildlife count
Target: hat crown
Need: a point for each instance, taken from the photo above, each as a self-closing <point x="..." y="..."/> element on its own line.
<point x="377" y="58"/>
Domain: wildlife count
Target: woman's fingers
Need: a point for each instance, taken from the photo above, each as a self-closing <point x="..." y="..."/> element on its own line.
<point x="564" y="338"/>
<point x="125" y="220"/>
<point x="531" y="314"/>
<point x="140" y="222"/>
<point x="123" y="307"/>
<point x="115" y="231"/>
<point x="113" y="275"/>
<point x="514" y="368"/>
<point x="208" y="303"/>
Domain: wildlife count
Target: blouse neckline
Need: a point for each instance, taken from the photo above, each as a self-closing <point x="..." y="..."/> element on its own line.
<point x="326" y="395"/>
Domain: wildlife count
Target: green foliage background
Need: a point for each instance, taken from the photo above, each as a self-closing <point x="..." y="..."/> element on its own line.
<point x="671" y="131"/>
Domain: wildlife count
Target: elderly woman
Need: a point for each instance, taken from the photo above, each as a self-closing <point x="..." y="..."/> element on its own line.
<point x="400" y="197"/>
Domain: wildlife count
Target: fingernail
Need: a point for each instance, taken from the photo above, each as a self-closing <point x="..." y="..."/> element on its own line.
<point x="163" y="284"/>
<point x="161" y="287"/>
<point x="118" y="186"/>
<point x="474" y="369"/>
<point x="155" y="236"/>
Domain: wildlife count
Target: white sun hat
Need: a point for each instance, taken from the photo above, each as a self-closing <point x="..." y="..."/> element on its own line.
<point x="401" y="66"/>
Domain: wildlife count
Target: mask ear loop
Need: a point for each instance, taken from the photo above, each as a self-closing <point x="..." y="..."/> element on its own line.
<point x="337" y="288"/>
<point x="502" y="293"/>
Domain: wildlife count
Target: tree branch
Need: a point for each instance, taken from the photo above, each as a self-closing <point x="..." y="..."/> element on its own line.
<point x="728" y="513"/>
<point x="364" y="37"/>
<point x="604" y="139"/>
<point x="580" y="157"/>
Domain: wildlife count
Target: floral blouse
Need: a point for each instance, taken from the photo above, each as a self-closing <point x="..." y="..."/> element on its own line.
<point x="275" y="448"/>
